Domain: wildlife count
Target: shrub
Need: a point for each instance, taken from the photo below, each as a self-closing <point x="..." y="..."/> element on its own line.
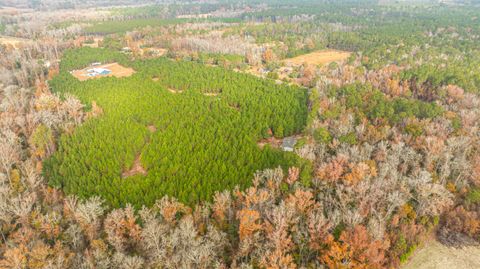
<point x="322" y="135"/>
<point x="350" y="139"/>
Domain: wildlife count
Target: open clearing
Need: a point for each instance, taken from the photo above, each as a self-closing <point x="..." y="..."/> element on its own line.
<point x="319" y="57"/>
<point x="94" y="44"/>
<point x="117" y="71"/>
<point x="434" y="255"/>
<point x="12" y="41"/>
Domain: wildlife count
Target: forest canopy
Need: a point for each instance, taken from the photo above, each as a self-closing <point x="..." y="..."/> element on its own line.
<point x="176" y="163"/>
<point x="193" y="128"/>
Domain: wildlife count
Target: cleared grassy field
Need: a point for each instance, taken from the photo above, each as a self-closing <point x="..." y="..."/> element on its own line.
<point x="117" y="71"/>
<point x="319" y="57"/>
<point x="12" y="41"/>
<point x="434" y="255"/>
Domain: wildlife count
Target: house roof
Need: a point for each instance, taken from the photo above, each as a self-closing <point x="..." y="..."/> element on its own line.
<point x="101" y="71"/>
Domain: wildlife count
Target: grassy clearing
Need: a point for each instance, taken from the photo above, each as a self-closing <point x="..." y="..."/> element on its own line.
<point x="321" y="57"/>
<point x="434" y="255"/>
<point x="12" y="41"/>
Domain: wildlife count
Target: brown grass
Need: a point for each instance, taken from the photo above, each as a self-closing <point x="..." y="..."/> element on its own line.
<point x="434" y="255"/>
<point x="117" y="71"/>
<point x="275" y="142"/>
<point x="13" y="41"/>
<point x="172" y="90"/>
<point x="234" y="106"/>
<point x="272" y="141"/>
<point x="319" y="57"/>
<point x="137" y="169"/>
<point x="210" y="93"/>
<point x="152" y="128"/>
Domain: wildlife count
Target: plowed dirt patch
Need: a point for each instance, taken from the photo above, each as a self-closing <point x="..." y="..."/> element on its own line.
<point x="116" y="71"/>
<point x="137" y="169"/>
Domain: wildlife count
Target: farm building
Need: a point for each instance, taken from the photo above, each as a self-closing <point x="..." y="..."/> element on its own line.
<point x="288" y="143"/>
<point x="98" y="72"/>
<point x="105" y="70"/>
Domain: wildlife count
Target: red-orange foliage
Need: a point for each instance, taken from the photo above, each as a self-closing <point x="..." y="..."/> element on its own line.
<point x="268" y="55"/>
<point x="303" y="201"/>
<point x="248" y="223"/>
<point x="356" y="249"/>
<point x="463" y="221"/>
<point x="333" y="170"/>
<point x="349" y="173"/>
<point x="336" y="254"/>
<point x="278" y="260"/>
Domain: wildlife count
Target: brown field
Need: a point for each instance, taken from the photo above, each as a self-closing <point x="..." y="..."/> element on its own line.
<point x="117" y="71"/>
<point x="434" y="255"/>
<point x="12" y="41"/>
<point x="319" y="57"/>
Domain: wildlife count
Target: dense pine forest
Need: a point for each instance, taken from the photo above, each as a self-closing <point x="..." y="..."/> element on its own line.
<point x="205" y="130"/>
<point x="240" y="134"/>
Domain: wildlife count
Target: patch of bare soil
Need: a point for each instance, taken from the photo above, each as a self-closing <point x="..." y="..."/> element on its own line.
<point x="152" y="128"/>
<point x="95" y="111"/>
<point x="210" y="93"/>
<point x="155" y="78"/>
<point x="137" y="169"/>
<point x="272" y="141"/>
<point x="234" y="106"/>
<point x="434" y="255"/>
<point x="116" y="71"/>
<point x="256" y="71"/>
<point x="172" y="90"/>
<point x="319" y="57"/>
